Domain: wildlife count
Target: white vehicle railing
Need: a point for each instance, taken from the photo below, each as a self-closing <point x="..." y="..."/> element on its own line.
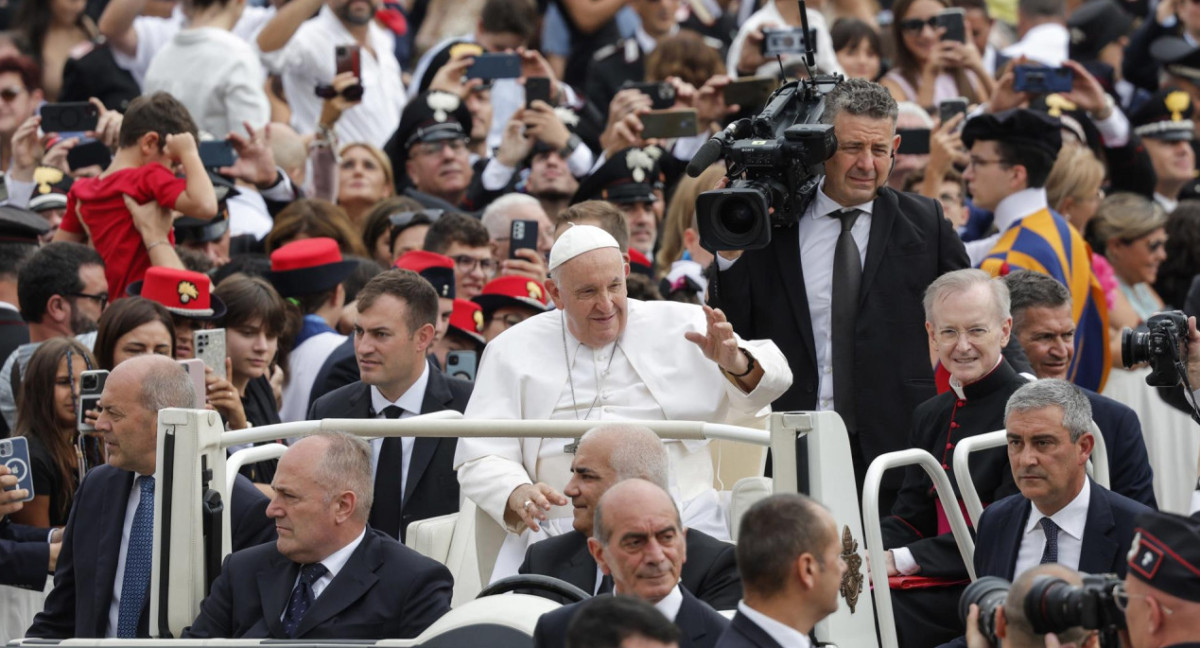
<point x="874" y="531"/>
<point x="1097" y="466"/>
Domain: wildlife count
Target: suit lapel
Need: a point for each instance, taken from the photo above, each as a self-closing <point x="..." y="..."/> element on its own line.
<point x="358" y="405"/>
<point x="275" y="583"/>
<point x="112" y="526"/>
<point x="787" y="258"/>
<point x="883" y="216"/>
<point x="437" y="398"/>
<point x="580" y="566"/>
<point x="691" y="620"/>
<point x="351" y="583"/>
<point x="1098" y="547"/>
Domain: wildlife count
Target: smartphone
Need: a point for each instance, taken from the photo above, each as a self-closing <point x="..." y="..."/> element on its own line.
<point x="348" y="58"/>
<point x="913" y="141"/>
<point x="91" y="385"/>
<point x="461" y="364"/>
<point x="948" y="108"/>
<point x="215" y="154"/>
<point x="495" y="66"/>
<point x="777" y="42"/>
<point x="750" y="93"/>
<point x="661" y="93"/>
<point x="953" y="20"/>
<point x="537" y="89"/>
<point x="14" y="453"/>
<point x="69" y="117"/>
<point x="523" y="234"/>
<point x="89" y="154"/>
<point x="1042" y="80"/>
<point x="670" y="123"/>
<point x="195" y="372"/>
<point x="210" y="348"/>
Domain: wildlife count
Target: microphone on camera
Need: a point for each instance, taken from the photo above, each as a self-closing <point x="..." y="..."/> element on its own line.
<point x="711" y="151"/>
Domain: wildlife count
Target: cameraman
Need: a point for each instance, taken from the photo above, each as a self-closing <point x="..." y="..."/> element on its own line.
<point x="1161" y="594"/>
<point x="1014" y="629"/>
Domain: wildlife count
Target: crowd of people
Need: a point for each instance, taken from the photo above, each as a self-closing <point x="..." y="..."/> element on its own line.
<point x="374" y="209"/>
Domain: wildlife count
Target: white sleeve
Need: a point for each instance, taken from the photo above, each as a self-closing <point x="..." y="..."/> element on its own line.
<point x="153" y="34"/>
<point x="905" y="563"/>
<point x="19" y="192"/>
<point x="245" y="100"/>
<point x="496" y="175"/>
<point x="580" y="162"/>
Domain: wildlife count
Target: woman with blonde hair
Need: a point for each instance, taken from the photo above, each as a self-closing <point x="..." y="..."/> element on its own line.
<point x="364" y="177"/>
<point x="1128" y="230"/>
<point x="1073" y="188"/>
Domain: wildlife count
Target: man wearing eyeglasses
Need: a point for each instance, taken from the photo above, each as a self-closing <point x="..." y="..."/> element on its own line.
<point x="1161" y="594"/>
<point x="465" y="240"/>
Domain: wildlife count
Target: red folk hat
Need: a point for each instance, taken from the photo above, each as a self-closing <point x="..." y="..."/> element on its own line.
<point x="511" y="290"/>
<point x="183" y="292"/>
<point x="308" y="266"/>
<point x="467" y="319"/>
<point x="437" y="269"/>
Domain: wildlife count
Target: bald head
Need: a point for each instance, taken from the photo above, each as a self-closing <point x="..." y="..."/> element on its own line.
<point x="1018" y="628"/>
<point x="632" y="451"/>
<point x="163" y="383"/>
<point x="628" y="496"/>
<point x="648" y="542"/>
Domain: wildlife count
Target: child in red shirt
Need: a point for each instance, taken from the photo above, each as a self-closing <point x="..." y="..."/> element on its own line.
<point x="156" y="131"/>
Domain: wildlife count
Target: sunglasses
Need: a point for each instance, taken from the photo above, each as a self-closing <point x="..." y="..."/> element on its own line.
<point x="349" y="93"/>
<point x="916" y="25"/>
<point x="402" y="220"/>
<point x="11" y="92"/>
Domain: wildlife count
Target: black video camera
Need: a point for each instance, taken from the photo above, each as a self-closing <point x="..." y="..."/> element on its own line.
<point x="1163" y="344"/>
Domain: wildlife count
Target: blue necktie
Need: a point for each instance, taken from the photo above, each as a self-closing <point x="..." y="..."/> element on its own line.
<point x="302" y="597"/>
<point x="135" y="585"/>
<point x="1050" y="553"/>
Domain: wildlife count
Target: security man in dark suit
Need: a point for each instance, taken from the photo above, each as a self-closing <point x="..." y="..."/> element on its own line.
<point x="394" y="329"/>
<point x="608" y="454"/>
<point x="1161" y="590"/>
<point x="102" y="583"/>
<point x="329" y="576"/>
<point x="840" y="292"/>
<point x="639" y="541"/>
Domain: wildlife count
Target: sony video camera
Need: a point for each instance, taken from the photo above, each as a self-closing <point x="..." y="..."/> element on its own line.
<point x="1163" y="344"/>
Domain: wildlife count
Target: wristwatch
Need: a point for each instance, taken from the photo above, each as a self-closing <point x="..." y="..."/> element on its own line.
<point x="573" y="143"/>
<point x="749" y="364"/>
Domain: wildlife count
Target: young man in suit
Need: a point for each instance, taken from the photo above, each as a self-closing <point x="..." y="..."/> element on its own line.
<point x="640" y="541"/>
<point x="394" y="329"/>
<point x="328" y="576"/>
<point x="1060" y="515"/>
<point x="608" y="454"/>
<point x="791" y="563"/>
<point x="859" y="346"/>
<point x="102" y="584"/>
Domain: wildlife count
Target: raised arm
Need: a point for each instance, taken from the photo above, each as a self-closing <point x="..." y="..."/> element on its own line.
<point x="116" y="24"/>
<point x="276" y="33"/>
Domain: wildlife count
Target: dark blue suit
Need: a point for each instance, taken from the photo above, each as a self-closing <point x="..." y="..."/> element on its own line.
<point x="87" y="566"/>
<point x="24" y="555"/>
<point x="1129" y="468"/>
<point x="384" y="591"/>
<point x="700" y="626"/>
<point x="1106" y="536"/>
<point x="744" y="633"/>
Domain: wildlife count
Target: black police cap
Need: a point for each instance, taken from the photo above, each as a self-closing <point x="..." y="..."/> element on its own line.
<point x="1167" y="115"/>
<point x="432" y="117"/>
<point x="630" y="175"/>
<point x="1094" y="25"/>
<point x="1165" y="554"/>
<point x="19" y="225"/>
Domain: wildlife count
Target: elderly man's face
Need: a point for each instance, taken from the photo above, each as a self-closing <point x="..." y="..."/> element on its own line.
<point x="130" y="430"/>
<point x="1047" y="336"/>
<point x="591" y="476"/>
<point x="968" y="333"/>
<point x="590" y="289"/>
<point x="646" y="549"/>
<point x="441" y="168"/>
<point x="305" y="513"/>
<point x="1047" y="466"/>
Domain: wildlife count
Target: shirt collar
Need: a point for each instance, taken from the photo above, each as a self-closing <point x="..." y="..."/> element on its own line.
<point x="670" y="604"/>
<point x="823" y="204"/>
<point x="336" y="560"/>
<point x="958" y="386"/>
<point x="648" y="42"/>
<point x="1071" y="518"/>
<point x="1017" y="206"/>
<point x="409" y="401"/>
<point x="783" y="634"/>
<point x="1167" y="204"/>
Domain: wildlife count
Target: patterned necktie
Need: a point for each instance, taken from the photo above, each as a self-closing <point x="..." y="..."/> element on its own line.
<point x="135" y="584"/>
<point x="385" y="513"/>
<point x="302" y="597"/>
<point x="1050" y="553"/>
<point x="847" y="276"/>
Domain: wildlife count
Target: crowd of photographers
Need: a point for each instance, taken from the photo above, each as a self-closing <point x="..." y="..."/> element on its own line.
<point x="959" y="216"/>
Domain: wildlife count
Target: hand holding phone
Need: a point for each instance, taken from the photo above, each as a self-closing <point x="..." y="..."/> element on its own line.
<point x="69" y="117"/>
<point x="948" y="108"/>
<point x="14" y="455"/>
<point x="215" y="154"/>
<point x="954" y="25"/>
<point x="210" y="347"/>
<point x="537" y="89"/>
<point x="667" y="124"/>
<point x="91" y="385"/>
<point x="523" y="234"/>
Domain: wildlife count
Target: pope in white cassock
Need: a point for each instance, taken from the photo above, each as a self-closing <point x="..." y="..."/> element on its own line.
<point x="603" y="357"/>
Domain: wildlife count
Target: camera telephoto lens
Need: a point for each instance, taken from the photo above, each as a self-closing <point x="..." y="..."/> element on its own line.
<point x="988" y="593"/>
<point x="1135" y="347"/>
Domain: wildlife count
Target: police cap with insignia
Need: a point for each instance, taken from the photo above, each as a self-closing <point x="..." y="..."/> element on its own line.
<point x="1027" y="129"/>
<point x="432" y="117"/>
<point x="511" y="291"/>
<point x="50" y="189"/>
<point x="1177" y="56"/>
<point x="1167" y="115"/>
<point x="19" y="225"/>
<point x="1094" y="25"/>
<point x="1165" y="554"/>
<point x="628" y="176"/>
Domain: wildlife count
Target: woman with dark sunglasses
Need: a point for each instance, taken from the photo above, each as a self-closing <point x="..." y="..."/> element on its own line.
<point x="1129" y="230"/>
<point x="927" y="68"/>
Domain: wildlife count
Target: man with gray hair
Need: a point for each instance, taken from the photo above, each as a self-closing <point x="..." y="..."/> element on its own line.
<point x="498" y="218"/>
<point x="328" y="576"/>
<point x="850" y="323"/>
<point x="609" y="454"/>
<point x="1060" y="516"/>
<point x="102" y="584"/>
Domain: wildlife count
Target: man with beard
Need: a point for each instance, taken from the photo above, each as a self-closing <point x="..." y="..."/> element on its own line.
<point x="62" y="291"/>
<point x="301" y="51"/>
<point x="551" y="181"/>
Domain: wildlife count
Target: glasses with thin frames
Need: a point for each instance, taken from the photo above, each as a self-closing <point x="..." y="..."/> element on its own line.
<point x="1121" y="597"/>
<point x="426" y="149"/>
<point x="949" y="336"/>
<point x="467" y="263"/>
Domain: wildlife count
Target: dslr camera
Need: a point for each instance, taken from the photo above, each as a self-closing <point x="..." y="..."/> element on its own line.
<point x="1052" y="605"/>
<point x="988" y="593"/>
<point x="1163" y="344"/>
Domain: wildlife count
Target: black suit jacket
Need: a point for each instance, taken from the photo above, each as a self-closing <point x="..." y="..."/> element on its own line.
<point x="340" y="369"/>
<point x="710" y="570"/>
<point x="1129" y="468"/>
<point x="911" y="244"/>
<point x="432" y="485"/>
<point x="24" y="555"/>
<point x="13" y="333"/>
<point x="1106" y="536"/>
<point x="744" y="633"/>
<point x="384" y="591"/>
<point x="87" y="565"/>
<point x="700" y="626"/>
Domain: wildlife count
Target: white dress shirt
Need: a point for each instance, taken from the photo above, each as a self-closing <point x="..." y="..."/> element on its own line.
<point x="1071" y="520"/>
<point x="333" y="563"/>
<point x="114" y="608"/>
<point x="669" y="605"/>
<point x="1012" y="210"/>
<point x="784" y="635"/>
<point x="410" y="401"/>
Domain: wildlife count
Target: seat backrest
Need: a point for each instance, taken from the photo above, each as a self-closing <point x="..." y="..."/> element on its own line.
<point x="516" y="612"/>
<point x="745" y="493"/>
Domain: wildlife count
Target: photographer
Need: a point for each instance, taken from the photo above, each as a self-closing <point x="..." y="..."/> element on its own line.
<point x="1013" y="628"/>
<point x="1161" y="593"/>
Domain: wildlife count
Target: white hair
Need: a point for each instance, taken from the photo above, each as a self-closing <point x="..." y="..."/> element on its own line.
<point x="494" y="217"/>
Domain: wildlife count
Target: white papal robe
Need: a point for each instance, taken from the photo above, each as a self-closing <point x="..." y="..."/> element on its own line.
<point x="651" y="372"/>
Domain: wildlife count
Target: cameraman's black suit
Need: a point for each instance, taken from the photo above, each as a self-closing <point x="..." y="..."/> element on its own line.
<point x="910" y="244"/>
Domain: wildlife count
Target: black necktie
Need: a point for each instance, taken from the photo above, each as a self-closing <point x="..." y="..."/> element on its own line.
<point x="389" y="483"/>
<point x="847" y="275"/>
<point x="1050" y="553"/>
<point x="606" y="585"/>
<point x="302" y="597"/>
